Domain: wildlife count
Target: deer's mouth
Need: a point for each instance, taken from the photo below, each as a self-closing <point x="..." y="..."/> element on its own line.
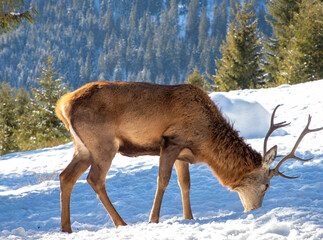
<point x="251" y="209"/>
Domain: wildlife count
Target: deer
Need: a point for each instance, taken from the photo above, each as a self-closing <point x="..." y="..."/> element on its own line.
<point x="178" y="123"/>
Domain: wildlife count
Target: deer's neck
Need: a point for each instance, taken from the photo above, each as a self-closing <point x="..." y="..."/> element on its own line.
<point x="231" y="157"/>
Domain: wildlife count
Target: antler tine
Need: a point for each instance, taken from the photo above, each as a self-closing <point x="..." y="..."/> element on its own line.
<point x="284" y="176"/>
<point x="273" y="127"/>
<point x="291" y="155"/>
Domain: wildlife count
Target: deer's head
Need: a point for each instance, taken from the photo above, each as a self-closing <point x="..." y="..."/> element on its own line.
<point x="253" y="186"/>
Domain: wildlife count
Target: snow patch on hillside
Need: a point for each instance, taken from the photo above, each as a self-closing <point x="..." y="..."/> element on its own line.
<point x="250" y="118"/>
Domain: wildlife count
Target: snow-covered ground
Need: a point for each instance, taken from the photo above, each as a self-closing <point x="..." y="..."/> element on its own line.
<point x="292" y="209"/>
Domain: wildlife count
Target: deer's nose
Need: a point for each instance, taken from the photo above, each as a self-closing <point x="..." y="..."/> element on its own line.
<point x="250" y="209"/>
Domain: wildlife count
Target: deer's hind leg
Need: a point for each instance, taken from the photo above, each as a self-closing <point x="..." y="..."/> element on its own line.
<point x="80" y="162"/>
<point x="101" y="162"/>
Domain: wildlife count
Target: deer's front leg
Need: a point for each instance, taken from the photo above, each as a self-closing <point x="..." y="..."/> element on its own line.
<point x="183" y="177"/>
<point x="168" y="155"/>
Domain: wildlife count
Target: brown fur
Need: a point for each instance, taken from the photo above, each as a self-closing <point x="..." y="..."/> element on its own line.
<point x="185" y="109"/>
<point x="176" y="122"/>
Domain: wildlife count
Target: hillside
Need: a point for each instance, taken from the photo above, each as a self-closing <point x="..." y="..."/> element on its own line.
<point x="151" y="41"/>
<point x="292" y="209"/>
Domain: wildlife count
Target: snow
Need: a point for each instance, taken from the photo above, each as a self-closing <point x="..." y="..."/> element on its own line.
<point x="292" y="209"/>
<point x="241" y="113"/>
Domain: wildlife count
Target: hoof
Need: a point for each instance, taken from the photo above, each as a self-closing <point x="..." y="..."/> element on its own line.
<point x="120" y="224"/>
<point x="153" y="222"/>
<point x="67" y="230"/>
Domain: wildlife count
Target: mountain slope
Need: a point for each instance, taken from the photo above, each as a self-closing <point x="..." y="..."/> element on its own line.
<point x="127" y="40"/>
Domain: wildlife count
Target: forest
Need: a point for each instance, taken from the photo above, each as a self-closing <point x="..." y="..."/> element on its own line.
<point x="220" y="45"/>
<point x="128" y="40"/>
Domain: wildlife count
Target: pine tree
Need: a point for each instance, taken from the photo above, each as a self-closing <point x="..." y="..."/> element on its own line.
<point x="282" y="12"/>
<point x="108" y="22"/>
<point x="192" y="22"/>
<point x="12" y="15"/>
<point x="207" y="56"/>
<point x="133" y="18"/>
<point x="8" y="125"/>
<point x="149" y="56"/>
<point x="303" y="55"/>
<point x="198" y="79"/>
<point x="234" y="8"/>
<point x="309" y="38"/>
<point x="262" y="23"/>
<point x="203" y="28"/>
<point x="118" y="73"/>
<point x="281" y="17"/>
<point x="23" y="111"/>
<point x="271" y="62"/>
<point x="173" y="18"/>
<point x="47" y="126"/>
<point x="219" y="22"/>
<point x="239" y="66"/>
<point x="87" y="68"/>
<point x="154" y="6"/>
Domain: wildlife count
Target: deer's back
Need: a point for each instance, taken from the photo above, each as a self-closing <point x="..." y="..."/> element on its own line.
<point x="138" y="114"/>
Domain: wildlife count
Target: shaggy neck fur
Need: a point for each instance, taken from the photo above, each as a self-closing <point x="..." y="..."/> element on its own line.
<point x="232" y="157"/>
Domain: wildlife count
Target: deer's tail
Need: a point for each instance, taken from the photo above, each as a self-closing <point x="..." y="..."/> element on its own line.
<point x="62" y="110"/>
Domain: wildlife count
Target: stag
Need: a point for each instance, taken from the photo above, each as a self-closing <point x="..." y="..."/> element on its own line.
<point x="179" y="123"/>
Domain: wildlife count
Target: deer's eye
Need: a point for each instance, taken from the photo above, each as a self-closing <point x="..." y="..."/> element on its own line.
<point x="266" y="187"/>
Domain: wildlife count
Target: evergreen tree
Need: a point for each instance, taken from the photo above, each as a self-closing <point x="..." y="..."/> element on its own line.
<point x="263" y="25"/>
<point x="203" y="28"/>
<point x="303" y="60"/>
<point x="219" y="22"/>
<point x="281" y="17"/>
<point x="239" y="65"/>
<point x="102" y="66"/>
<point x="47" y="127"/>
<point x="173" y="18"/>
<point x="234" y="9"/>
<point x="134" y="16"/>
<point x="282" y="12"/>
<point x="207" y="56"/>
<point x="12" y="15"/>
<point x="23" y="111"/>
<point x="108" y="22"/>
<point x="117" y="74"/>
<point x="154" y="6"/>
<point x="87" y="68"/>
<point x="198" y="79"/>
<point x="192" y="22"/>
<point x="8" y="125"/>
<point x="144" y="76"/>
<point x="309" y="38"/>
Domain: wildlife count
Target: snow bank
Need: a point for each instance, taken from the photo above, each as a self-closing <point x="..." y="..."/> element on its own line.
<point x="250" y="118"/>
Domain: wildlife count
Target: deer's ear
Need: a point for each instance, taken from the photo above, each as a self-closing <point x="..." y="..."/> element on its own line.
<point x="269" y="157"/>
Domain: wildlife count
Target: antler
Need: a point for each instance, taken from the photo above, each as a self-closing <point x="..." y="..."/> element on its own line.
<point x="273" y="127"/>
<point x="292" y="153"/>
